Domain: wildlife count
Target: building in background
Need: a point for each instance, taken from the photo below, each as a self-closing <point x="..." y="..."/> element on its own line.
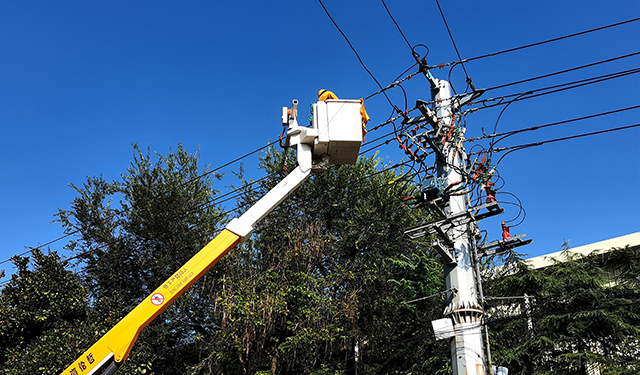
<point x="632" y="240"/>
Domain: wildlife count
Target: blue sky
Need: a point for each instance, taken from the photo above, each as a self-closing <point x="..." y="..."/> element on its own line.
<point x="81" y="81"/>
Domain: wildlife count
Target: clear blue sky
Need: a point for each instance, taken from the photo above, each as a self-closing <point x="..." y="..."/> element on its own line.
<point x="80" y="81"/>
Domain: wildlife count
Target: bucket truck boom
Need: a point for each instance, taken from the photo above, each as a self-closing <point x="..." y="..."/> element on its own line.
<point x="334" y="138"/>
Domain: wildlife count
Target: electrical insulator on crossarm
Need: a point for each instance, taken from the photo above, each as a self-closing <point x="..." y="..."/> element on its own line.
<point x="491" y="194"/>
<point x="505" y="231"/>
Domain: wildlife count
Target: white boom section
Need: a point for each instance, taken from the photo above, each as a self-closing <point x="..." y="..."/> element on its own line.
<point x="243" y="226"/>
<point x="334" y="138"/>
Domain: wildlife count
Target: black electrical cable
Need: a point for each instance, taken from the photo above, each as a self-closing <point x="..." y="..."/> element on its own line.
<point x="633" y="71"/>
<point x="513" y="132"/>
<point x="555" y="88"/>
<point x="397" y="26"/>
<point x="225" y="213"/>
<point x="232" y="162"/>
<point x="216" y="201"/>
<point x="495" y="127"/>
<point x="511" y="149"/>
<point x="41" y="246"/>
<point x="356" y="53"/>
<point x="190" y="210"/>
<point x="377" y="146"/>
<point x="519" y="204"/>
<point x="564" y="71"/>
<point x="454" y="43"/>
<point x="182" y="184"/>
<point x="369" y="142"/>
<point x="552" y="40"/>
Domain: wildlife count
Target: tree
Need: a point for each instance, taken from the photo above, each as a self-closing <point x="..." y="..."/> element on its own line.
<point x="311" y="291"/>
<point x="44" y="317"/>
<point x="165" y="213"/>
<point x="319" y="288"/>
<point x="578" y="314"/>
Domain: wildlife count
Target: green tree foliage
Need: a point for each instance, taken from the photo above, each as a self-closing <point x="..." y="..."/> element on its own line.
<point x="320" y="288"/>
<point x="580" y="314"/>
<point x="44" y="317"/>
<point x="312" y="291"/>
<point x="134" y="234"/>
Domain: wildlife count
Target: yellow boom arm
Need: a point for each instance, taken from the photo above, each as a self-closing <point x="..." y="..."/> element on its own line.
<point x="106" y="355"/>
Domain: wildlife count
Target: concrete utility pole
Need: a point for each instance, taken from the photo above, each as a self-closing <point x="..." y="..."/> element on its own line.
<point x="463" y="308"/>
<point x="453" y="222"/>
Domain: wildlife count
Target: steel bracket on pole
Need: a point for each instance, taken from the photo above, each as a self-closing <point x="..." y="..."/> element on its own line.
<point x="436" y="149"/>
<point x="503" y="245"/>
<point x="460" y="218"/>
<point x="436" y="206"/>
<point x="492" y="209"/>
<point x="445" y="251"/>
<point x="429" y="116"/>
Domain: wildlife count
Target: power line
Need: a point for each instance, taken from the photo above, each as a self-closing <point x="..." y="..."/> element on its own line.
<point x="162" y="193"/>
<point x="41" y="246"/>
<point x="511" y="149"/>
<point x="232" y="162"/>
<point x="455" y="46"/>
<point x="566" y="138"/>
<point x="564" y="71"/>
<point x="221" y="215"/>
<point x="216" y="200"/>
<point x="530" y="94"/>
<point x="553" y="89"/>
<point x="553" y="39"/>
<point x="357" y="55"/>
<point x="512" y="132"/>
<point x="397" y="26"/>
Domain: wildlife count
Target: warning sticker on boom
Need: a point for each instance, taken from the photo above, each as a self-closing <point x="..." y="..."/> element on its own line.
<point x="157" y="299"/>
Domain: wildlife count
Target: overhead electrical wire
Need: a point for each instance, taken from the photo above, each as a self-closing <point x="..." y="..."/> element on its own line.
<point x="41" y="246"/>
<point x="442" y="65"/>
<point x="495" y="127"/>
<point x="386" y="142"/>
<point x="356" y="53"/>
<point x="519" y="205"/>
<point x="216" y="199"/>
<point x="556" y="123"/>
<point x="558" y="88"/>
<point x="542" y="91"/>
<point x="564" y="71"/>
<point x="532" y="144"/>
<point x="511" y="149"/>
<point x="552" y="39"/>
<point x="552" y="89"/>
<point x="397" y="26"/>
<point x="454" y="45"/>
<point x="162" y="193"/>
<point x="221" y="215"/>
<point x="232" y="161"/>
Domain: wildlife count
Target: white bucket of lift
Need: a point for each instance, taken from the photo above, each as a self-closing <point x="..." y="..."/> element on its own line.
<point x="339" y="126"/>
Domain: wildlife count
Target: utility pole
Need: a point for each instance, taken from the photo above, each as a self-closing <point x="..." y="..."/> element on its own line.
<point x="453" y="222"/>
<point x="463" y="308"/>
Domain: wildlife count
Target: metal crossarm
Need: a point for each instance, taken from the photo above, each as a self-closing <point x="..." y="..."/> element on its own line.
<point x="503" y="245"/>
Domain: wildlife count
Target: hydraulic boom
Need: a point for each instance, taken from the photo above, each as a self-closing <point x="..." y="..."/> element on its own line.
<point x="334" y="138"/>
